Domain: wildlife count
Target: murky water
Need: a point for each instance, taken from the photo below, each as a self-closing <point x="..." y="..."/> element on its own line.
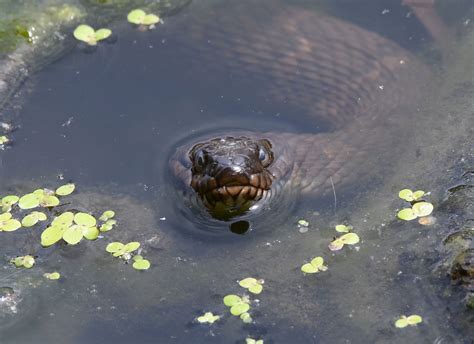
<point x="108" y="119"/>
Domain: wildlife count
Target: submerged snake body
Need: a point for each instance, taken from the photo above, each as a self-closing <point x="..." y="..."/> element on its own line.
<point x="343" y="75"/>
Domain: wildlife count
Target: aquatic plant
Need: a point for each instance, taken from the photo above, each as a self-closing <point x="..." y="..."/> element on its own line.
<point x="40" y="197"/>
<point x="253" y="341"/>
<point x="139" y="263"/>
<point x="316" y="265"/>
<point x="52" y="275"/>
<point x="23" y="261"/>
<point x="346" y="239"/>
<point x="8" y="201"/>
<point x="70" y="227"/>
<point x="33" y="218"/>
<point x="4" y="140"/>
<point x="303" y="223"/>
<point x="143" y="19"/>
<point x="343" y="228"/>
<point x="252" y="284"/>
<point x="125" y="251"/>
<point x="411" y="320"/>
<point x="419" y="209"/>
<point x="239" y="306"/>
<point x="7" y="224"/>
<point x="87" y="34"/>
<point x="65" y="189"/>
<point x="410" y="196"/>
<point x="208" y="318"/>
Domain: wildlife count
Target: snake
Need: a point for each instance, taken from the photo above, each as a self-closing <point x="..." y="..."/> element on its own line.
<point x="354" y="81"/>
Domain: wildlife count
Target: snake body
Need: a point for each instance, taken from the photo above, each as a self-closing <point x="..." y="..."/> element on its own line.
<point x="340" y="74"/>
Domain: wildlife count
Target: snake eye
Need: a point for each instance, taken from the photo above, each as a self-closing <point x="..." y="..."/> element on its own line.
<point x="200" y="158"/>
<point x="262" y="155"/>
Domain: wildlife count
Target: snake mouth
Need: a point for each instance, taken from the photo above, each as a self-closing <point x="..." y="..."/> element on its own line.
<point x="226" y="198"/>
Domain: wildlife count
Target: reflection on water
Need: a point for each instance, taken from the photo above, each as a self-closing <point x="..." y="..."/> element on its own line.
<point x="108" y="121"/>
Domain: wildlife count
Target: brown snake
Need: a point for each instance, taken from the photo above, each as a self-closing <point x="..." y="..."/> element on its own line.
<point x="333" y="71"/>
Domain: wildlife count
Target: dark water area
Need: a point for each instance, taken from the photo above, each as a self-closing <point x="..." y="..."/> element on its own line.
<point x="108" y="119"/>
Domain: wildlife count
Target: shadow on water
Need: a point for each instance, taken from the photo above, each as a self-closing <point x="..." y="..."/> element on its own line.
<point x="109" y="119"/>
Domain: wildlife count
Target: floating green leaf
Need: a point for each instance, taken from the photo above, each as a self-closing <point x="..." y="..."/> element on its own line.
<point x="136" y="16"/>
<point x="253" y="285"/>
<point x="8" y="202"/>
<point x="106" y="215"/>
<point x="114" y="247"/>
<point x="4" y="140"/>
<point x="23" y="261"/>
<point x="422" y="209"/>
<point x="64" y="220"/>
<point x="343" y="228"/>
<point x="33" y="218"/>
<point x="141" y="264"/>
<point x="239" y="308"/>
<point x="88" y="35"/>
<point x="208" y="317"/>
<point x="85" y="219"/>
<point x="230" y="300"/>
<point x="65" y="190"/>
<point x="404" y="321"/>
<point x="246" y="318"/>
<point x="346" y="239"/>
<point x="253" y="341"/>
<point x="7" y="224"/>
<point x="29" y="201"/>
<point x="303" y="223"/>
<point x="52" y="276"/>
<point x="52" y="235"/>
<point x="409" y="195"/>
<point x="139" y="17"/>
<point x="73" y="235"/>
<point x="406" y="214"/>
<point x="131" y="246"/>
<point x="350" y="239"/>
<point x="316" y="265"/>
<point x="237" y="304"/>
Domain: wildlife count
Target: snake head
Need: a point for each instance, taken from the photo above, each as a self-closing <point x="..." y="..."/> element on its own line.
<point x="230" y="174"/>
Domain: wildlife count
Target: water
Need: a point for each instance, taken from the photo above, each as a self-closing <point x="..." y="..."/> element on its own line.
<point x="108" y="120"/>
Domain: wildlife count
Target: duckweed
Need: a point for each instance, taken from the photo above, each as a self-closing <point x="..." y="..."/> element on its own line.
<point x="7" y="224"/>
<point x="65" y="190"/>
<point x="238" y="305"/>
<point x="346" y="239"/>
<point x="253" y="341"/>
<point x="208" y="318"/>
<point x="140" y="17"/>
<point x="419" y="209"/>
<point x="87" y="34"/>
<point x="23" y="261"/>
<point x="316" y="265"/>
<point x="71" y="228"/>
<point x="4" y="140"/>
<point x="410" y="196"/>
<point x="52" y="275"/>
<point x="411" y="320"/>
<point x="253" y="285"/>
<point x="139" y="263"/>
<point x="8" y="201"/>
<point x="343" y="228"/>
<point x="33" y="218"/>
